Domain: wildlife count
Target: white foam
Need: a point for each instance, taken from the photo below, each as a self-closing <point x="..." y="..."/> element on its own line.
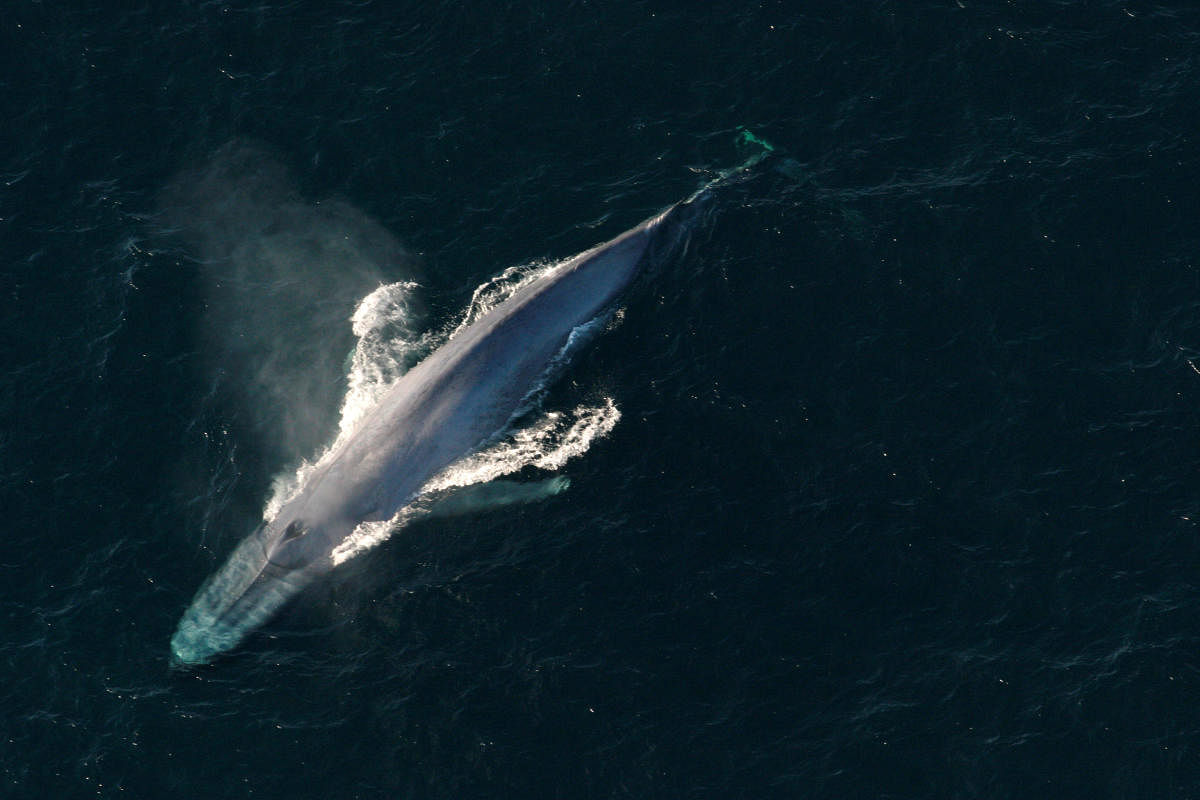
<point x="386" y="348"/>
<point x="496" y="290"/>
<point x="548" y="443"/>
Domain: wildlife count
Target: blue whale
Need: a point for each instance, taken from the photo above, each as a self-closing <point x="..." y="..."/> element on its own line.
<point x="445" y="408"/>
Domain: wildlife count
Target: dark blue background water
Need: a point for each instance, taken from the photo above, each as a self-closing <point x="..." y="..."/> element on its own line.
<point x="904" y="499"/>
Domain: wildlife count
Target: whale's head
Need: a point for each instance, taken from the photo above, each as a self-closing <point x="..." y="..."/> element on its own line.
<point x="265" y="571"/>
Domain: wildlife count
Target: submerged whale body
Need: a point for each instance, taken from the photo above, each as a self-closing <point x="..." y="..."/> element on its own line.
<point x="443" y="409"/>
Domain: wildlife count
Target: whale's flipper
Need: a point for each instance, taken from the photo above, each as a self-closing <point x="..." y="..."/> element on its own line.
<point x="493" y="494"/>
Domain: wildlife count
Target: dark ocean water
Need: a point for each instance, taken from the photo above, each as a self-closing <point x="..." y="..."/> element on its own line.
<point x="904" y="499"/>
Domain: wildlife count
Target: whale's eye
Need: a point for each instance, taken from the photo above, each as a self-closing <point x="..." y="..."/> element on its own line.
<point x="294" y="531"/>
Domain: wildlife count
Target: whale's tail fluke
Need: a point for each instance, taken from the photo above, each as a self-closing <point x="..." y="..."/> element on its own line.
<point x="759" y="149"/>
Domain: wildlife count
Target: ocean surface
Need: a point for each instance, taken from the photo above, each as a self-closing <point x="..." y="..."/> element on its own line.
<point x="888" y="484"/>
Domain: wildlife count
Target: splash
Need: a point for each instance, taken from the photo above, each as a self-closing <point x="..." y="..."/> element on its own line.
<point x="386" y="348"/>
<point x="549" y="443"/>
<point x="496" y="290"/>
